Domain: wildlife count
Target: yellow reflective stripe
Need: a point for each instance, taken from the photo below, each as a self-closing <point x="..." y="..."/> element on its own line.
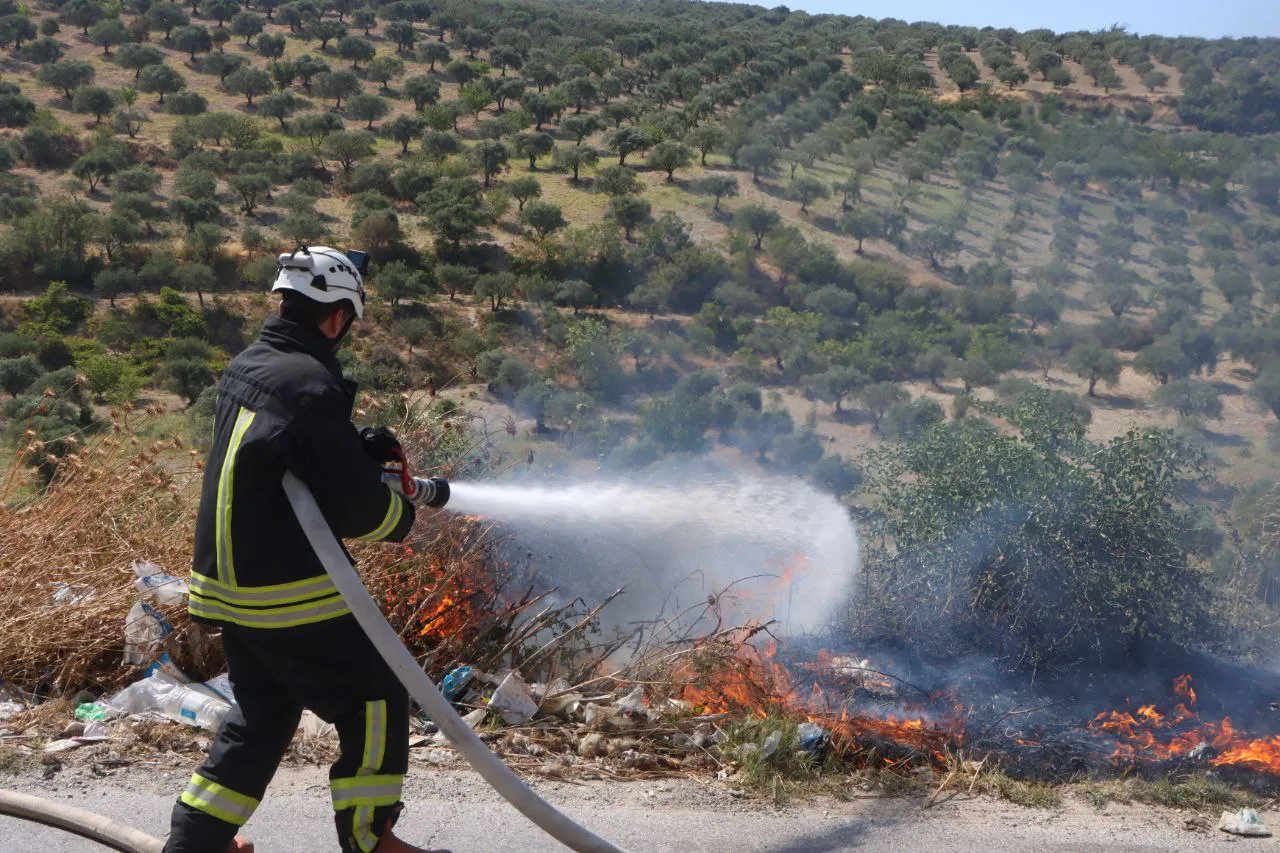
<point x="226" y="483"/>
<point x="366" y="791"/>
<point x="362" y="828"/>
<point x="394" y="513"/>
<point x="218" y="800"/>
<point x="276" y="617"/>
<point x="263" y="596"/>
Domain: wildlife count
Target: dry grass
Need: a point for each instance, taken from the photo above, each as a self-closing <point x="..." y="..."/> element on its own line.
<point x="17" y="761"/>
<point x="112" y="502"/>
<point x="118" y="498"/>
<point x="1195" y="792"/>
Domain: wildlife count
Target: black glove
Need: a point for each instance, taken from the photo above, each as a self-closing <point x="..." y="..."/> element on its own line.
<point x="380" y="444"/>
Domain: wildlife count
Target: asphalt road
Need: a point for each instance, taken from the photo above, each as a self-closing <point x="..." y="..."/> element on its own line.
<point x="456" y="810"/>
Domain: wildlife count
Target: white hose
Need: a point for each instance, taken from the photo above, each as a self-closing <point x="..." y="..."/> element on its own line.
<point x="384" y="638"/>
<point x="87" y="824"/>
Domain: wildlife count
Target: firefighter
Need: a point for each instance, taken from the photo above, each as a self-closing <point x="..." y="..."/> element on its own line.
<point x="290" y="641"/>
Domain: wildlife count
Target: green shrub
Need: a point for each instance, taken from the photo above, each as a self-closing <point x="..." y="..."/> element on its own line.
<point x="1063" y="550"/>
<point x="18" y="374"/>
<point x="61" y="309"/>
<point x="200" y="418"/>
<point x="112" y="378"/>
<point x="13" y="345"/>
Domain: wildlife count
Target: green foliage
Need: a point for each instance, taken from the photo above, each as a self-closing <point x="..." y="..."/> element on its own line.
<point x="19" y="374"/>
<point x="594" y="350"/>
<point x="67" y="75"/>
<point x="758" y="220"/>
<point x="668" y="156"/>
<point x="543" y="217"/>
<point x="1093" y="363"/>
<point x="161" y="79"/>
<point x="1061" y="548"/>
<point x="250" y="82"/>
<point x="397" y="281"/>
<point x="1265" y="389"/>
<point x="629" y="212"/>
<point x="16" y="109"/>
<point x="60" y="309"/>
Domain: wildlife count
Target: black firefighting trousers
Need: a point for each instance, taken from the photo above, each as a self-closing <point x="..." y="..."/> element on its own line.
<point x="331" y="668"/>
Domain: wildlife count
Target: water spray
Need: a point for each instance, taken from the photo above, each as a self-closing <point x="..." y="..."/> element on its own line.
<point x="782" y="549"/>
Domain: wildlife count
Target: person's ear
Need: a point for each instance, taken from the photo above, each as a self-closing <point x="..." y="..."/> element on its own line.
<point x="335" y="322"/>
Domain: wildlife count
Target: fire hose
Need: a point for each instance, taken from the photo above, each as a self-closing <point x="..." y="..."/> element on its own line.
<point x="78" y="821"/>
<point x="424" y="692"/>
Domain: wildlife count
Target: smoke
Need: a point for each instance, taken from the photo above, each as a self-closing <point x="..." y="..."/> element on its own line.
<point x="762" y="548"/>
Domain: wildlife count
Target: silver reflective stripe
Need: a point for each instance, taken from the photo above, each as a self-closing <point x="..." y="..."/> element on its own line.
<point x="362" y="828"/>
<point x="288" y="593"/>
<point x="367" y="795"/>
<point x="273" y="618"/>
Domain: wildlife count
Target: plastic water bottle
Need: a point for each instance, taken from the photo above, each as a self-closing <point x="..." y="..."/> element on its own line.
<point x="184" y="705"/>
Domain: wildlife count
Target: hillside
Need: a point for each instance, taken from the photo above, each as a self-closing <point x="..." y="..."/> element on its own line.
<point x="631" y="230"/>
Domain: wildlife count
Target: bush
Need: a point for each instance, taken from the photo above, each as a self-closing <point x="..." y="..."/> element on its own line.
<point x="60" y="309"/>
<point x="112" y="378"/>
<point x="200" y="418"/>
<point x="511" y="376"/>
<point x="381" y="370"/>
<point x="12" y="345"/>
<point x="835" y="474"/>
<point x="1063" y="550"/>
<point x="187" y="103"/>
<point x="186" y="377"/>
<point x="48" y="145"/>
<point x="18" y="374"/>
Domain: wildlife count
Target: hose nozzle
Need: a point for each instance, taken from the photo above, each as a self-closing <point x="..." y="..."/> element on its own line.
<point x="431" y="491"/>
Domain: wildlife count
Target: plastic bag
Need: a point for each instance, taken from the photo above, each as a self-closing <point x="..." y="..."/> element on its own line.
<point x="313" y="726"/>
<point x="559" y="699"/>
<point x="812" y="736"/>
<point x="633" y="703"/>
<point x="65" y="593"/>
<point x="512" y="700"/>
<point x="153" y="584"/>
<point x="1243" y="822"/>
<point x="90" y="711"/>
<point x="149" y="694"/>
<point x="145" y="629"/>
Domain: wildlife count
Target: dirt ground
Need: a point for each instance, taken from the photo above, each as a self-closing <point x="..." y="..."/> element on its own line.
<point x="455" y="809"/>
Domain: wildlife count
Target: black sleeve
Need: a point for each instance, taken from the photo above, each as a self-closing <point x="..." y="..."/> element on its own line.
<point x="328" y="455"/>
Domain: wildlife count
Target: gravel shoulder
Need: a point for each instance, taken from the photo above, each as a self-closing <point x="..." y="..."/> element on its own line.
<point x="456" y="809"/>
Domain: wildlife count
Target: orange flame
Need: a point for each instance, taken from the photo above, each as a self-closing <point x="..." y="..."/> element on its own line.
<point x="1151" y="734"/>
<point x="752" y="681"/>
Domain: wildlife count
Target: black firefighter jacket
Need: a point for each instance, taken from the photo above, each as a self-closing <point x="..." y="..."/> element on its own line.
<point x="283" y="405"/>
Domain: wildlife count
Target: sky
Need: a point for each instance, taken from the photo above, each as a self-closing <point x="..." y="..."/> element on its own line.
<point x="1207" y="18"/>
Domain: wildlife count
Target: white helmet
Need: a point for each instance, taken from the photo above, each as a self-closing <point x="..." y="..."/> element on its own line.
<point x="323" y="274"/>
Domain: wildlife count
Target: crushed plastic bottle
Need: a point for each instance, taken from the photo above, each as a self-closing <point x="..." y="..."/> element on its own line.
<point x="185" y="705"/>
<point x="812" y="736"/>
<point x="770" y="745"/>
<point x="456" y="682"/>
